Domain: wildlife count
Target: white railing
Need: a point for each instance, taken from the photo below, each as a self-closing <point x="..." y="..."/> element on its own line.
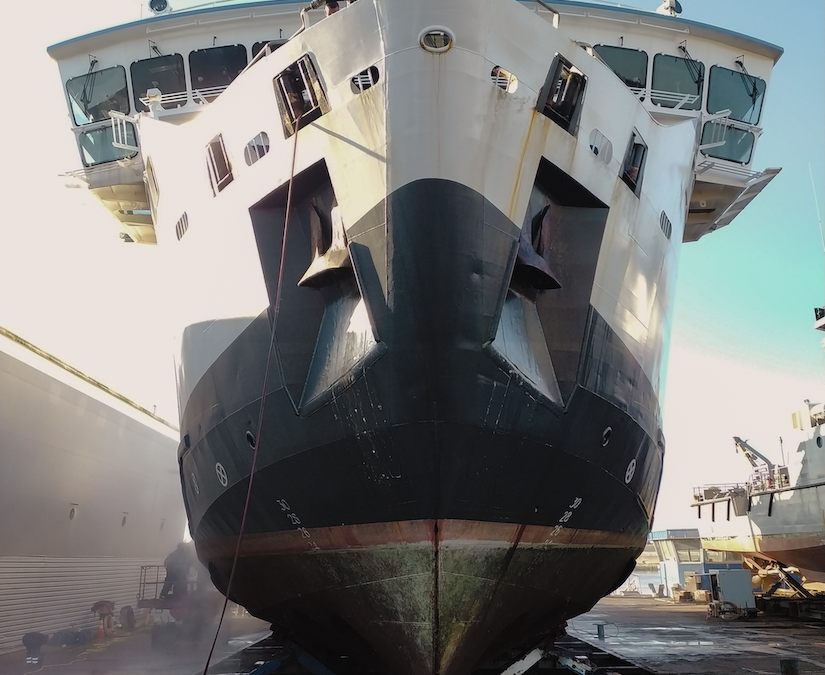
<point x="202" y="95"/>
<point x="720" y="123"/>
<point x="180" y="97"/>
<point x="667" y="97"/>
<point x="725" y="167"/>
<point x="120" y="126"/>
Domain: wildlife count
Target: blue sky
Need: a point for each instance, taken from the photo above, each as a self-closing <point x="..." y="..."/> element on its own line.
<point x="743" y="352"/>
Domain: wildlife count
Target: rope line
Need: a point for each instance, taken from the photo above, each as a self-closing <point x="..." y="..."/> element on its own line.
<point x="276" y="311"/>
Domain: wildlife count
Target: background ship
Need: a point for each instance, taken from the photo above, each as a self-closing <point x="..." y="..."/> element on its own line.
<point x="777" y="515"/>
<point x="463" y="228"/>
<point x="88" y="489"/>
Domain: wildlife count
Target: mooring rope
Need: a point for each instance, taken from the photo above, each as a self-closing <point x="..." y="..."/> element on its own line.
<point x="276" y="310"/>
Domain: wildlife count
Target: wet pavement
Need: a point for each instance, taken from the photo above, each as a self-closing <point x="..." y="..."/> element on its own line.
<point x="133" y="653"/>
<point x="677" y="638"/>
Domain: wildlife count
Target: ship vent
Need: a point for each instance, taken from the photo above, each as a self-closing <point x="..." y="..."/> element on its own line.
<point x="181" y="226"/>
<point x="665" y="224"/>
<point x="365" y="79"/>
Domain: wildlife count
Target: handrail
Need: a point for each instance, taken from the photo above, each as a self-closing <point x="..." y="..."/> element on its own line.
<point x="119" y="131"/>
<point x="673" y="97"/>
<point x="554" y="12"/>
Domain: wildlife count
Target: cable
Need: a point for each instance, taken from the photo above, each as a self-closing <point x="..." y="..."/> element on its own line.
<point x="275" y="313"/>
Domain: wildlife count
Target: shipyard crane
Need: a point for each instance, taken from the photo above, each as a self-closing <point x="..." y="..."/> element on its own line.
<point x="755" y="457"/>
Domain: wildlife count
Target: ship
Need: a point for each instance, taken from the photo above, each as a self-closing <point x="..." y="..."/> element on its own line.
<point x="424" y="255"/>
<point x="775" y="518"/>
<point x="89" y="492"/>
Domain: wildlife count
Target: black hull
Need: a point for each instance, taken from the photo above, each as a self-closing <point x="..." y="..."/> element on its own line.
<point x="477" y="464"/>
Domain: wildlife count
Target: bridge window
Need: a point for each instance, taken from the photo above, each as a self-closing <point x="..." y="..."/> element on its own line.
<point x="273" y="45"/>
<point x="212" y="70"/>
<point x="220" y="169"/>
<point x="256" y="148"/>
<point x="563" y="94"/>
<point x="94" y="95"/>
<point x="161" y="72"/>
<point x="738" y="145"/>
<point x="630" y="65"/>
<point x="301" y="98"/>
<point x="634" y="163"/>
<point x="96" y="145"/>
<point x="677" y="82"/>
<point x="737" y="91"/>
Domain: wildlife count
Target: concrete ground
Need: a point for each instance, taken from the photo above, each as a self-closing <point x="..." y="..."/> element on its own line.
<point x="133" y="653"/>
<point x="677" y="638"/>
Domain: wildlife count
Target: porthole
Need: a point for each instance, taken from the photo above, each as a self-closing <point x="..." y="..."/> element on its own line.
<point x="601" y="146"/>
<point x="194" y="483"/>
<point x="73" y="510"/>
<point x="256" y="148"/>
<point x="504" y="79"/>
<point x="436" y="39"/>
<point x="250" y="438"/>
<point x="606" y="434"/>
<point x="221" y="473"/>
<point x="365" y="79"/>
<point x="819" y="441"/>
<point x="123" y="521"/>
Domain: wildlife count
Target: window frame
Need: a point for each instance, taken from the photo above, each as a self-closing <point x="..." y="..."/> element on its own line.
<point x="218" y="182"/>
<point x="95" y="73"/>
<point x="629" y="163"/>
<point x="682" y="106"/>
<point x="195" y="70"/>
<point x="552" y="106"/>
<point x="283" y="84"/>
<point x="252" y="150"/>
<point x="762" y="91"/>
<point x="106" y="129"/>
<point x="170" y="104"/>
<point x="731" y="128"/>
<point x="642" y="89"/>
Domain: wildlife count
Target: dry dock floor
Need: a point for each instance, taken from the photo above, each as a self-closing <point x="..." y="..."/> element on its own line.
<point x="677" y="638"/>
<point x="664" y="637"/>
<point x="133" y="654"/>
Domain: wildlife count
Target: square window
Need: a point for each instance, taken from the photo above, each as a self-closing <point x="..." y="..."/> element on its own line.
<point x="301" y="99"/>
<point x="220" y="169"/>
<point x="634" y="163"/>
<point x="563" y="94"/>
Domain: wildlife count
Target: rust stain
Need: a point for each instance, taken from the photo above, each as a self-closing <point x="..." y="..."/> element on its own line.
<point x="527" y="146"/>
